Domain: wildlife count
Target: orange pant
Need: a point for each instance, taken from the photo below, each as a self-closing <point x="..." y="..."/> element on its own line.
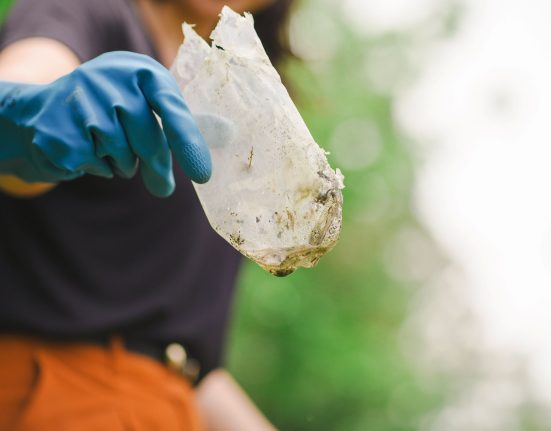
<point x="47" y="386"/>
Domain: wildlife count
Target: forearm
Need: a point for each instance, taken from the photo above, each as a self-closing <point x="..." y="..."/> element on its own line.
<point x="226" y="407"/>
<point x="35" y="61"/>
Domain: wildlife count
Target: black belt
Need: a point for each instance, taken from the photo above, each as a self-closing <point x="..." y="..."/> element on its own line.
<point x="173" y="355"/>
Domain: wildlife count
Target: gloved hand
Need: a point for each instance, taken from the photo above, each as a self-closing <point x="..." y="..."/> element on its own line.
<point x="99" y="120"/>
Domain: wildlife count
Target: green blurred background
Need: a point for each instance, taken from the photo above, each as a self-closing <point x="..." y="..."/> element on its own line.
<point x="4" y="6"/>
<point x="320" y="349"/>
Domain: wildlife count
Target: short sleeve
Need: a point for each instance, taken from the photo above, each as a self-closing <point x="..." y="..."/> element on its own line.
<point x="81" y="25"/>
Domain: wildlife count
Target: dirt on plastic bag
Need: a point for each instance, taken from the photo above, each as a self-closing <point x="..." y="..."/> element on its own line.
<point x="272" y="194"/>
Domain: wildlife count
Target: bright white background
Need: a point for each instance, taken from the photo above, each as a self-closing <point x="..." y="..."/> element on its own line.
<point x="480" y="113"/>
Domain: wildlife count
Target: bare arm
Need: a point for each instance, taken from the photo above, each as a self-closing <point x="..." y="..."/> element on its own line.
<point x="226" y="407"/>
<point x="35" y="61"/>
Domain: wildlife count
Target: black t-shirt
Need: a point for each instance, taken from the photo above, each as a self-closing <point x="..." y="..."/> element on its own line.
<point x="95" y="257"/>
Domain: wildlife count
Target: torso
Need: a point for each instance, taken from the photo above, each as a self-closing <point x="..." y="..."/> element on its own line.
<point x="95" y="256"/>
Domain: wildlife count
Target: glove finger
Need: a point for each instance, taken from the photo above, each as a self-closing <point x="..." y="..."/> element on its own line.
<point x="98" y="169"/>
<point x="48" y="172"/>
<point x="182" y="134"/>
<point x="147" y="141"/>
<point x="79" y="157"/>
<point x="111" y="144"/>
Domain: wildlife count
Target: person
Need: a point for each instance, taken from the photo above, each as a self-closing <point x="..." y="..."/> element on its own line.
<point x="115" y="291"/>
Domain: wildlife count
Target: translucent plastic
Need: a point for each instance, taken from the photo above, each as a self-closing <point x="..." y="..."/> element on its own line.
<point x="272" y="194"/>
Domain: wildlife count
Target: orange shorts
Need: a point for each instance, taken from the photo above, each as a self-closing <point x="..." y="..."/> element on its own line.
<point x="47" y="386"/>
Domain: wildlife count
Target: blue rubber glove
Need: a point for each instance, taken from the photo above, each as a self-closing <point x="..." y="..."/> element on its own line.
<point x="99" y="120"/>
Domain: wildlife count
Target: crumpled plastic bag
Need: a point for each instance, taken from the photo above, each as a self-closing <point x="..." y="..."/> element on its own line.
<point x="272" y="193"/>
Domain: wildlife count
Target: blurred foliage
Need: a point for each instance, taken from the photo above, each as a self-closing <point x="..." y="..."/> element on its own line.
<point x="320" y="350"/>
<point x="4" y="7"/>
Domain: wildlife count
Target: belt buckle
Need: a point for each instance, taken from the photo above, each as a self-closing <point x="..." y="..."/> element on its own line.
<point x="177" y="360"/>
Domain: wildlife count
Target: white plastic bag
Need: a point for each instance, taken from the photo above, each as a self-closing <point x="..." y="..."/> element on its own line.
<point x="272" y="194"/>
